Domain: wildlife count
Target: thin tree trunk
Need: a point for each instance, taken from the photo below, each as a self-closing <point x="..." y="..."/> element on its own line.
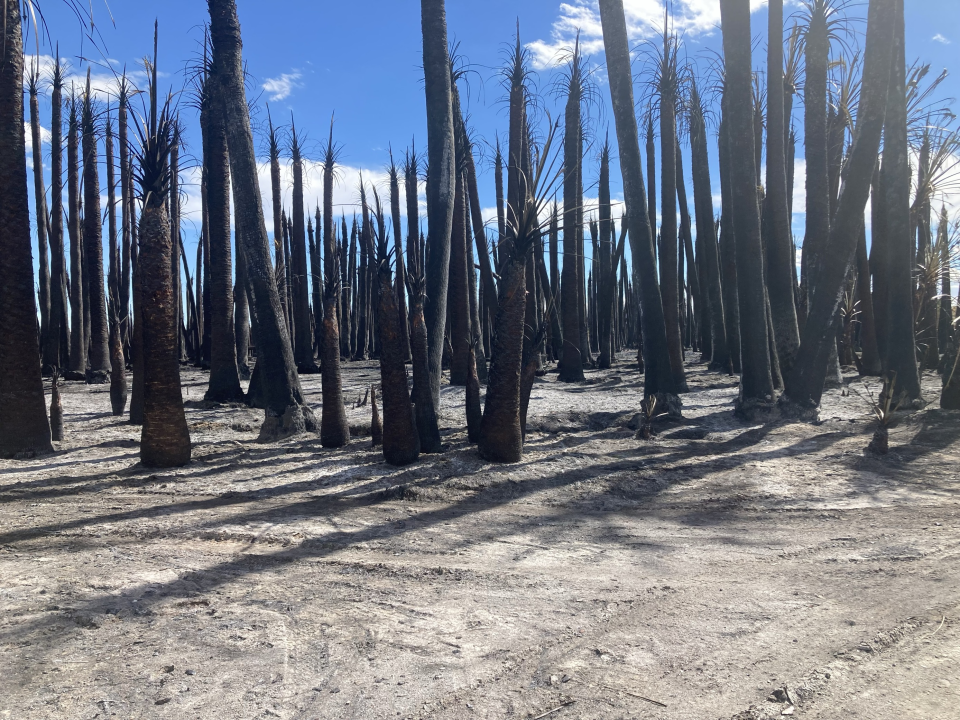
<point x="300" y="289"/>
<point x="571" y="361"/>
<point x="241" y="314"/>
<point x="658" y="376"/>
<point x="870" y="356"/>
<point x="40" y="206"/>
<point x="58" y="299"/>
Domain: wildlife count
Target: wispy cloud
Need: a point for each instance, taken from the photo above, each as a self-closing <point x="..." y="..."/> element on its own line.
<point x="644" y="19"/>
<point x="940" y="39"/>
<point x="279" y="88"/>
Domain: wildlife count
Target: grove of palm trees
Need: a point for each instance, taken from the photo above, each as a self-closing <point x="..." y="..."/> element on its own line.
<point x="628" y="386"/>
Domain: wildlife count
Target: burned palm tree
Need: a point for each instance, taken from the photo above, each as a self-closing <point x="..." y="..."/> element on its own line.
<point x="756" y="379"/>
<point x="118" y="377"/>
<point x="804" y="384"/>
<point x="780" y="268"/>
<point x="300" y="290"/>
<point x="401" y="442"/>
<point x="165" y="439"/>
<point x="707" y="249"/>
<point x="666" y="85"/>
<point x="40" y="206"/>
<point x="78" y="339"/>
<point x="571" y="359"/>
<point x="24" y="429"/>
<point x="54" y="351"/>
<point x="441" y="180"/>
<point x="334" y="430"/>
<point x="501" y="431"/>
<point x="224" y="382"/>
<point x="93" y="246"/>
<point x="393" y="172"/>
<point x="658" y="375"/>
<point x="286" y="412"/>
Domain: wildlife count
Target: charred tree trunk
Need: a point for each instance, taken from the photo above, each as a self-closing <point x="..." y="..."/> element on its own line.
<point x="756" y="380"/>
<point x="441" y="180"/>
<point x="286" y="412"/>
<point x="658" y="376"/>
<point x="24" y="429"/>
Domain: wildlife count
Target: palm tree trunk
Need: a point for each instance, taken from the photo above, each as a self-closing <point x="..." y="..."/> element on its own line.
<point x="165" y="439"/>
<point x="756" y="380"/>
<point x="224" y="382"/>
<point x="241" y="314"/>
<point x="286" y="412"/>
<point x="93" y="249"/>
<point x="58" y="300"/>
<point x="334" y="430"/>
<point x="401" y="283"/>
<point x="571" y="361"/>
<point x="870" y="355"/>
<point x="707" y="237"/>
<point x="901" y="356"/>
<point x="24" y="429"/>
<point x="804" y="384"/>
<point x="778" y="245"/>
<point x="728" y="251"/>
<point x="441" y="181"/>
<point x="669" y="262"/>
<point x="300" y="290"/>
<point x="658" y="376"/>
<point x="78" y="344"/>
<point x="40" y="205"/>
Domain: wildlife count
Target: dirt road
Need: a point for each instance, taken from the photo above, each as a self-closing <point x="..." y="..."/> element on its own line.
<point x="689" y="576"/>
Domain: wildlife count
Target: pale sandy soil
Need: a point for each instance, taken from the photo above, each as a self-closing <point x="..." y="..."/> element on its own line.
<point x="702" y="570"/>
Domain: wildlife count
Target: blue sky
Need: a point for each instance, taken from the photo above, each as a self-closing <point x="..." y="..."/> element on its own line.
<point x="362" y="60"/>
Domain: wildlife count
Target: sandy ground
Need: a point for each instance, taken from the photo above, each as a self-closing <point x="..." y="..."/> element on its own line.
<point x="689" y="576"/>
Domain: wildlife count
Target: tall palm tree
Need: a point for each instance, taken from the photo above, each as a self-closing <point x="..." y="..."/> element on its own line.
<point x="900" y="347"/>
<point x="78" y="340"/>
<point x="756" y="379"/>
<point x="658" y="376"/>
<point x="779" y="244"/>
<point x="24" y="428"/>
<point x="286" y="412"/>
<point x="300" y="290"/>
<point x="401" y="443"/>
<point x="334" y="430"/>
<point x="804" y="384"/>
<point x="441" y="181"/>
<point x="54" y="351"/>
<point x="93" y="246"/>
<point x="40" y="205"/>
<point x="165" y="439"/>
<point x="224" y="382"/>
<point x="668" y="81"/>
<point x="571" y="361"/>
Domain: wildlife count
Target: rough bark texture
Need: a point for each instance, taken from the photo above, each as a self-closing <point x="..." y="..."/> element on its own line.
<point x="23" y="415"/>
<point x="165" y="439"/>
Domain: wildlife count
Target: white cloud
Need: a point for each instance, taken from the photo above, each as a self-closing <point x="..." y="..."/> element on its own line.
<point x="279" y="88"/>
<point x="940" y="39"/>
<point x="644" y="19"/>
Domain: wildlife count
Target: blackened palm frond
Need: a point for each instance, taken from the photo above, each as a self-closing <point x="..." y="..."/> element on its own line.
<point x="833" y="13"/>
<point x="156" y="137"/>
<point x="845" y="88"/>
